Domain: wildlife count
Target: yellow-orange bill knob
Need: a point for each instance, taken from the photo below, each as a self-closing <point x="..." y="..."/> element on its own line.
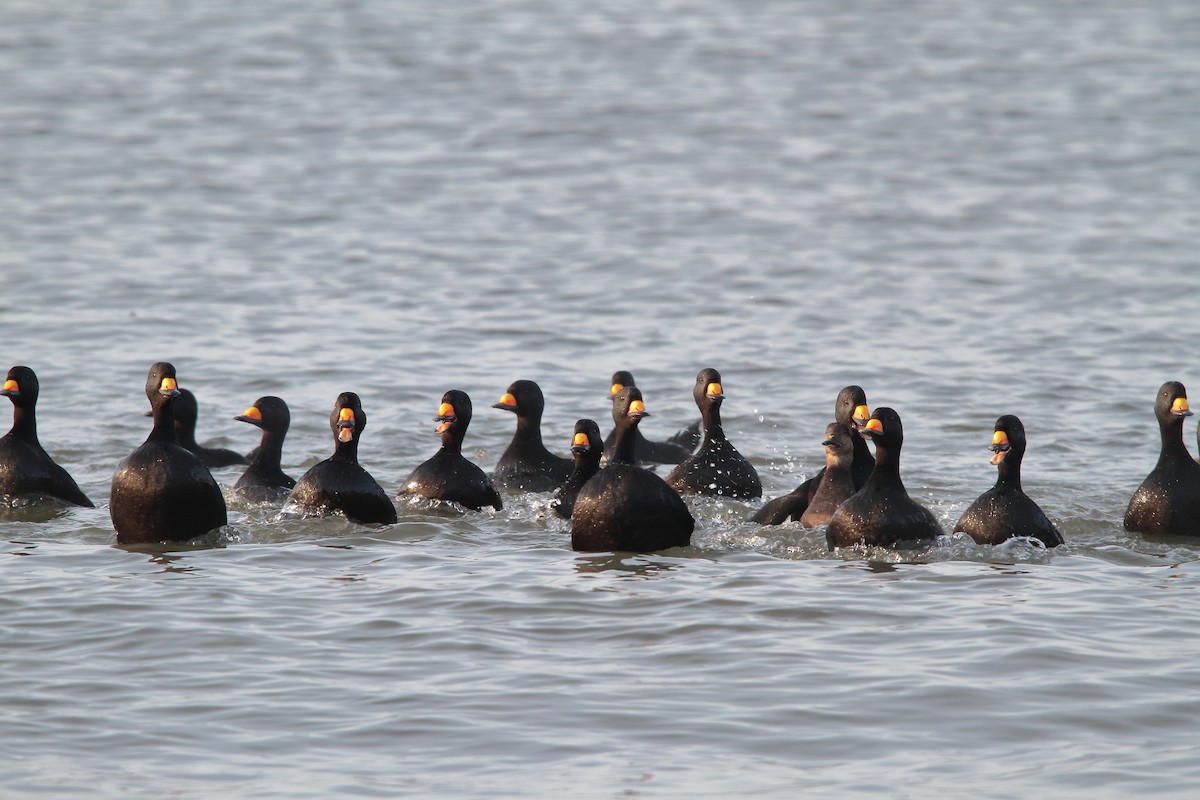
<point x="714" y="389"/>
<point x="637" y="407"/>
<point x="346" y="415"/>
<point x="1180" y="406"/>
<point x="616" y="387"/>
<point x="874" y="425"/>
<point x="11" y="386"/>
<point x="507" y="399"/>
<point x="445" y="411"/>
<point x="861" y="414"/>
<point x="252" y="413"/>
<point x="168" y="385"/>
<point x="581" y="440"/>
<point x="1000" y="446"/>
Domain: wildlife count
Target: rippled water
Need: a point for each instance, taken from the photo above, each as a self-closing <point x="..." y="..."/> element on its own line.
<point x="968" y="208"/>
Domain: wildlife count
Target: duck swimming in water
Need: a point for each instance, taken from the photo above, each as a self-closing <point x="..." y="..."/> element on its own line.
<point x="717" y="468"/>
<point x="670" y="451"/>
<point x="447" y="475"/>
<point x="587" y="447"/>
<point x="624" y="507"/>
<point x="850" y="411"/>
<point x="881" y="513"/>
<point x="1005" y="511"/>
<point x="160" y="491"/>
<point x="339" y="483"/>
<point x="1168" y="501"/>
<point x="265" y="479"/>
<point x="526" y="464"/>
<point x="837" y="478"/>
<point x="26" y="469"/>
<point x="187" y="411"/>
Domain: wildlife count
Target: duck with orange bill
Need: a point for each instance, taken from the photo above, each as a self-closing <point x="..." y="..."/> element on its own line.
<point x="162" y="492"/>
<point x="448" y="475"/>
<point x="1005" y="511"/>
<point x="587" y="447"/>
<point x="339" y="484"/>
<point x="646" y="451"/>
<point x="717" y="468"/>
<point x="624" y="507"/>
<point x="881" y="513"/>
<point x="1168" y="501"/>
<point x="265" y="479"/>
<point x="26" y="469"/>
<point x="526" y="464"/>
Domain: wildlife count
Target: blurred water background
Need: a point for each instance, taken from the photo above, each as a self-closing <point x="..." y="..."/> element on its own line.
<point x="969" y="208"/>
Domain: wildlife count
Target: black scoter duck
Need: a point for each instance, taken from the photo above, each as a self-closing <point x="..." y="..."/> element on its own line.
<point x="587" y="447"/>
<point x="717" y="468"/>
<point x="160" y="491"/>
<point x="881" y="513"/>
<point x="670" y="451"/>
<point x="837" y="478"/>
<point x="25" y="467"/>
<point x="187" y="410"/>
<point x="1005" y="511"/>
<point x="850" y="410"/>
<point x="624" y="507"/>
<point x="1168" y="501"/>
<point x="448" y="475"/>
<point x="339" y="483"/>
<point x="527" y="464"/>
<point x="265" y="479"/>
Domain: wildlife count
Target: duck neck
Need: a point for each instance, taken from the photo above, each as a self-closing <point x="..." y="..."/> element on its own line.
<point x="185" y="435"/>
<point x="529" y="431"/>
<point x="1009" y="474"/>
<point x="346" y="451"/>
<point x="625" y="447"/>
<point x="586" y="465"/>
<point x="270" y="450"/>
<point x="711" y="416"/>
<point x="1172" y="440"/>
<point x="452" y="442"/>
<point x="24" y="425"/>
<point x="887" y="461"/>
<point x="164" y="422"/>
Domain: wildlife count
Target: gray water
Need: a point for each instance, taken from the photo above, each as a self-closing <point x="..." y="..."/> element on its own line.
<point x="968" y="208"/>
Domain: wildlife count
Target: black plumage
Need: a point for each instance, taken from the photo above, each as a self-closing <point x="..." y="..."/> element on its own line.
<point x="160" y="491"/>
<point x="624" y="507"/>
<point x="587" y="448"/>
<point x="1005" y="511"/>
<point x="264" y="478"/>
<point x="526" y="464"/>
<point x="717" y="468"/>
<point x="1168" y="501"/>
<point x="187" y="411"/>
<point x="669" y="451"/>
<point x="447" y="475"/>
<point x="339" y="483"/>
<point x="881" y="513"/>
<point x="26" y="469"/>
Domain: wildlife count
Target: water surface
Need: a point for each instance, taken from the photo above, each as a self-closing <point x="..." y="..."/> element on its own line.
<point x="970" y="209"/>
